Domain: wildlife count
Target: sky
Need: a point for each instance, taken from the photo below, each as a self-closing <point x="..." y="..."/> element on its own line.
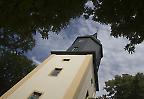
<point x="116" y="60"/>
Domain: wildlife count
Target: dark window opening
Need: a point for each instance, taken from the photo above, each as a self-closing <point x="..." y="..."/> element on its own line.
<point x="56" y="71"/>
<point x="66" y="59"/>
<point x="35" y="95"/>
<point x="87" y="95"/>
<point x="92" y="81"/>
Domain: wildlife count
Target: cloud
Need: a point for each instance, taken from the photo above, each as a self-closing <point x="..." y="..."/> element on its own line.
<point x="35" y="61"/>
<point x="116" y="60"/>
<point x="89" y="4"/>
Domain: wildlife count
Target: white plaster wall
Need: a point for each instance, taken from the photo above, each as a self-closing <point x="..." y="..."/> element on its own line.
<point x="54" y="87"/>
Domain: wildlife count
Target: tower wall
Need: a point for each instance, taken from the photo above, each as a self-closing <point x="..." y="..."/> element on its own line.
<point x="71" y="82"/>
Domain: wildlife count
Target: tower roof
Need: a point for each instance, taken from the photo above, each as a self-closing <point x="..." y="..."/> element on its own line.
<point x="94" y="38"/>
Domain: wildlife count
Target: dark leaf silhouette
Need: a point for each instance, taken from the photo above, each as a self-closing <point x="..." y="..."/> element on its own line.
<point x="13" y="68"/>
<point x="125" y="87"/>
<point x="26" y="16"/>
<point x="125" y="18"/>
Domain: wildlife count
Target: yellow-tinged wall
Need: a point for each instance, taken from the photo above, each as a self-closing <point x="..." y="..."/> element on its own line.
<point x="71" y="83"/>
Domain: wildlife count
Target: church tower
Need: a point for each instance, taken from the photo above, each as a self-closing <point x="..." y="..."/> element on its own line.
<point x="71" y="74"/>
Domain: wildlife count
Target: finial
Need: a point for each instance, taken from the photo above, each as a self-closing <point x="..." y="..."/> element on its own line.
<point x="95" y="35"/>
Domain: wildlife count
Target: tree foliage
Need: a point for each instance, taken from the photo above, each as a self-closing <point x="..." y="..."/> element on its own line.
<point x="13" y="67"/>
<point x="13" y="64"/>
<point x="26" y="16"/>
<point x="19" y="21"/>
<point x="125" y="87"/>
<point x="29" y="16"/>
<point x="125" y="18"/>
<point x="14" y="42"/>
